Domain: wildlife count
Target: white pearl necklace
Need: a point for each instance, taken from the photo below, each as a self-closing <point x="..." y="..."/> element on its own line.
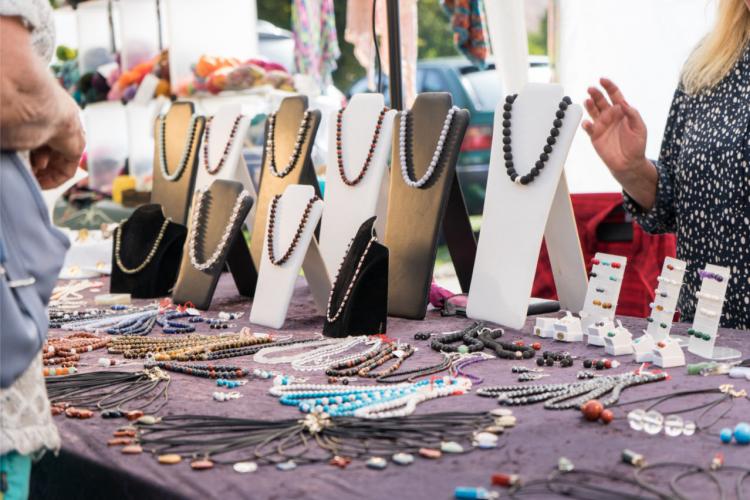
<point x="296" y="389"/>
<point x="187" y="148"/>
<point x="350" y="287"/>
<point x="404" y="406"/>
<point x="299" y="141"/>
<point x="262" y="356"/>
<point x="231" y="224"/>
<point x="435" y="156"/>
<point x="322" y="358"/>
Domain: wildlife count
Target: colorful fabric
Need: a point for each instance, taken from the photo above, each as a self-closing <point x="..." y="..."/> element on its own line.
<point x="316" y="47"/>
<point x="15" y="470"/>
<point x="469" y="34"/>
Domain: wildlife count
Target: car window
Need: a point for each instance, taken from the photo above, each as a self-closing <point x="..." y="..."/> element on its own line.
<point x="484" y="88"/>
<point x="431" y="81"/>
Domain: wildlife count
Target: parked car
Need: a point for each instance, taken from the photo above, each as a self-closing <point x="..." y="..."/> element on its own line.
<point x="477" y="90"/>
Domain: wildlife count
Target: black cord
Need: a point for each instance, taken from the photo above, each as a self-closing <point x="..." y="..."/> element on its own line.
<point x="378" y="63"/>
<point x="698" y="470"/>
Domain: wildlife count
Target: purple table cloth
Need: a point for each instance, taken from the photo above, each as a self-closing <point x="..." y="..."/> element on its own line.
<point x="87" y="468"/>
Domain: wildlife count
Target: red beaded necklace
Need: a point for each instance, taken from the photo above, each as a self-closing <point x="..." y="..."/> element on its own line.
<point x="370" y="152"/>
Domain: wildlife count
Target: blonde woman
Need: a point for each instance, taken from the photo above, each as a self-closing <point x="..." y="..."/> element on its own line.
<point x="700" y="186"/>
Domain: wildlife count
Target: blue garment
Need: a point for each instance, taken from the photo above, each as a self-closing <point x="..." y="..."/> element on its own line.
<point x="15" y="472"/>
<point x="31" y="255"/>
<point x="703" y="191"/>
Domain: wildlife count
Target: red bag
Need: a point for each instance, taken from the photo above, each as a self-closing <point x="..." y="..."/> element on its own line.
<point x="645" y="252"/>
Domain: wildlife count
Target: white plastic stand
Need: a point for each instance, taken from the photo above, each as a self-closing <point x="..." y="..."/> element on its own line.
<point x="619" y="341"/>
<point x="234" y="168"/>
<point x="88" y="257"/>
<point x="347" y="207"/>
<point x="276" y="283"/>
<point x="599" y="330"/>
<point x="568" y="329"/>
<point x="665" y="298"/>
<point x="708" y="315"/>
<point x="643" y="349"/>
<point x="516" y="217"/>
<point x="604" y="288"/>
<point x="545" y="327"/>
<point x="667" y="353"/>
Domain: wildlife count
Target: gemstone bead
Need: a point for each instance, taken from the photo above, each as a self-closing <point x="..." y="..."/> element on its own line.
<point x="403" y="458"/>
<point x="132" y="449"/>
<point x="245" y="467"/>
<point x="451" y="447"/>
<point x="376" y="463"/>
<point x="592" y="410"/>
<point x="169" y="459"/>
<point x="430" y="453"/>
<point x="726" y="435"/>
<point x="286" y="466"/>
<point x="742" y="433"/>
<point x="202" y="464"/>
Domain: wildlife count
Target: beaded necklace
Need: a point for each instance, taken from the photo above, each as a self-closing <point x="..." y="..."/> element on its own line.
<point x="227" y="147"/>
<point x="363" y="365"/>
<point x="413" y="374"/>
<point x="296" y="151"/>
<point x="406" y="157"/>
<point x="297" y="235"/>
<point x="334" y="317"/>
<point x="66" y="351"/>
<point x="205" y="371"/>
<point x="162" y="145"/>
<point x="231" y="224"/>
<point x="149" y="256"/>
<point x="370" y="152"/>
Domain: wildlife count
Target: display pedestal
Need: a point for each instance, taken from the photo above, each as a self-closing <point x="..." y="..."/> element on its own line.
<point x="568" y="329"/>
<point x="276" y="282"/>
<point x="643" y="349"/>
<point x="667" y="353"/>
<point x="618" y="341"/>
<point x="220" y="154"/>
<point x="175" y="195"/>
<point x="516" y="217"/>
<point x="287" y="125"/>
<point x="598" y="331"/>
<point x="604" y="289"/>
<point x="416" y="213"/>
<point x="348" y="206"/>
<point x="705" y="328"/>
<point x="207" y="229"/>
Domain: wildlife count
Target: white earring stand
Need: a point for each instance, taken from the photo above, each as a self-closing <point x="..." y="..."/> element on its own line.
<point x="643" y="349"/>
<point x="619" y="341"/>
<point x="234" y="168"/>
<point x="665" y="299"/>
<point x="568" y="329"/>
<point x="597" y="332"/>
<point x="604" y="288"/>
<point x="347" y="207"/>
<point x="667" y="353"/>
<point x="276" y="283"/>
<point x="545" y="327"/>
<point x="516" y="217"/>
<point x="708" y="315"/>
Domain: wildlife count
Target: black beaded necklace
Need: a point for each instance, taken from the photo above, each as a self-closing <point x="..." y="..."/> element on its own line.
<point x="297" y="235"/>
<point x="544" y="156"/>
<point x="468" y="337"/>
<point x="505" y="350"/>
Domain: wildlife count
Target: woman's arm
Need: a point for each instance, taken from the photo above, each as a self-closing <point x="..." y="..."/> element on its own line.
<point x="36" y="113"/>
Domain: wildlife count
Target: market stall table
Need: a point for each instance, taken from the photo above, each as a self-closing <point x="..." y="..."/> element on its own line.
<point x="87" y="468"/>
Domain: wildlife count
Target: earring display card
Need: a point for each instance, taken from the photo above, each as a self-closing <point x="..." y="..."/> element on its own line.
<point x="220" y="155"/>
<point x="416" y="213"/>
<point x="518" y="216"/>
<point x="146" y="253"/>
<point x="359" y="143"/>
<point x="665" y="298"/>
<point x="215" y="240"/>
<point x="177" y="139"/>
<point x="288" y="143"/>
<point x="605" y="281"/>
<point x="358" y="303"/>
<point x="703" y="334"/>
<point x="290" y="230"/>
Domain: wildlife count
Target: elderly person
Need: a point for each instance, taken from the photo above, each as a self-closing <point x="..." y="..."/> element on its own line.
<point x="42" y="141"/>
<point x="700" y="186"/>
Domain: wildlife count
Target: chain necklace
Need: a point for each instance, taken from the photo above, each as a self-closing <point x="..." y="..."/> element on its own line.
<point x="231" y="224"/>
<point x="162" y="145"/>
<point x="149" y="256"/>
<point x="322" y="357"/>
<point x="557" y="123"/>
<point x="332" y="318"/>
<point x="227" y="147"/>
<point x="296" y="151"/>
<point x="407" y="159"/>
<point x="264" y="355"/>
<point x="297" y="235"/>
<point x="370" y="152"/>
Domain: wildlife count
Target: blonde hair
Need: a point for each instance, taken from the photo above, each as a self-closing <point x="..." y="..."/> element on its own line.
<point x="718" y="52"/>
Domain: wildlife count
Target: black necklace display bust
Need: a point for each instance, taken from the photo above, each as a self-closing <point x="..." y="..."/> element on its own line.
<point x="358" y="304"/>
<point x="146" y="253"/>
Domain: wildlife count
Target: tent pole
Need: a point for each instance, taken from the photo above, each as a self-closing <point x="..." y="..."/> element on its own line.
<point x="394" y="54"/>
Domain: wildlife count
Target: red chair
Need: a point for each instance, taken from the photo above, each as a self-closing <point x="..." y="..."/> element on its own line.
<point x="604" y="226"/>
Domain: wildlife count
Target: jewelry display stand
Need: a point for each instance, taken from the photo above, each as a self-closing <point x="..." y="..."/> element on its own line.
<point x="276" y="282"/>
<point x="667" y="353"/>
<point x="708" y="315"/>
<point x="595" y="333"/>
<point x="643" y="349"/>
<point x="516" y="216"/>
<point x="665" y="299"/>
<point x="545" y="327"/>
<point x="181" y="153"/>
<point x="604" y="288"/>
<point x="220" y="155"/>
<point x="286" y="128"/>
<point x="568" y="328"/>
<point x="211" y="223"/>
<point x="348" y="206"/>
<point x="358" y="303"/>
<point x="416" y="213"/>
<point x="618" y="341"/>
<point x="146" y="253"/>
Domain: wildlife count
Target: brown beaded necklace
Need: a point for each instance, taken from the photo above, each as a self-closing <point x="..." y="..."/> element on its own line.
<point x="67" y="351"/>
<point x="206" y="157"/>
<point x="300" y="228"/>
<point x="370" y="152"/>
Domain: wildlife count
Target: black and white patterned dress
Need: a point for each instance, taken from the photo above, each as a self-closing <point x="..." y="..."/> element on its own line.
<point x="703" y="192"/>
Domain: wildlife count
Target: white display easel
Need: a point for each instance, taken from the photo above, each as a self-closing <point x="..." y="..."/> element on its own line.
<point x="603" y="291"/>
<point x="234" y="168"/>
<point x="665" y="298"/>
<point x="273" y="292"/>
<point x="516" y="217"/>
<point x="708" y="315"/>
<point x="347" y="207"/>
